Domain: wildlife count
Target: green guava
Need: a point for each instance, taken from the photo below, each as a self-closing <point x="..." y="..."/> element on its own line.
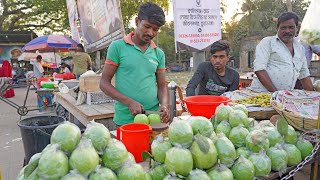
<point x="141" y="118"/>
<point x="154" y="118"/>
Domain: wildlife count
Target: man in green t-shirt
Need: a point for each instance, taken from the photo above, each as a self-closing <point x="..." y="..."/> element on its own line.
<point x="139" y="69"/>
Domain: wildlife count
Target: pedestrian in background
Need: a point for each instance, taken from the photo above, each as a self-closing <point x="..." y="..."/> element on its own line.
<point x="81" y="61"/>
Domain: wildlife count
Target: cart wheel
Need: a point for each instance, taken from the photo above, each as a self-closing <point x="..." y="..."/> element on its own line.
<point x="22" y="111"/>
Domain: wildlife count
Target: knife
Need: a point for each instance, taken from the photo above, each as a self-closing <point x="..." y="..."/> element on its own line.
<point x="146" y="112"/>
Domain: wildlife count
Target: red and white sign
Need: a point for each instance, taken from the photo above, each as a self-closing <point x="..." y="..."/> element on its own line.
<point x="197" y="23"/>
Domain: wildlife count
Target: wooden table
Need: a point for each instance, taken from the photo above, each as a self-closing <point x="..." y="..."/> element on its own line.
<point x="102" y="113"/>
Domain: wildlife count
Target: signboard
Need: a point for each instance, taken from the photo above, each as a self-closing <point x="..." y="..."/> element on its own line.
<point x="197" y="23"/>
<point x="73" y="17"/>
<point x="100" y="23"/>
<point x="8" y="52"/>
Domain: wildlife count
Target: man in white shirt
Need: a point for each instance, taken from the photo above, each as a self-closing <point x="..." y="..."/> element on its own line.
<point x="280" y="60"/>
<point x="37" y="67"/>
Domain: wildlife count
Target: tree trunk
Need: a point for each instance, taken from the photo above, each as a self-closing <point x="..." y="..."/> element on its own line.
<point x="289" y="5"/>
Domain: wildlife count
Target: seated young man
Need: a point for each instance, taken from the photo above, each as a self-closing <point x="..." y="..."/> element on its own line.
<point x="214" y="77"/>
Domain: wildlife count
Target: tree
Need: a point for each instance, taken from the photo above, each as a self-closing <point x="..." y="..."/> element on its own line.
<point x="166" y="41"/>
<point x="257" y="20"/>
<point x="49" y="15"/>
<point x="52" y="15"/>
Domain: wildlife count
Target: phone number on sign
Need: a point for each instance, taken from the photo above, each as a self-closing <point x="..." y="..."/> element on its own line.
<point x="199" y="40"/>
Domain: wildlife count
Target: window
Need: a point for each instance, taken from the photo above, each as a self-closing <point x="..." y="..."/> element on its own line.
<point x="250" y="59"/>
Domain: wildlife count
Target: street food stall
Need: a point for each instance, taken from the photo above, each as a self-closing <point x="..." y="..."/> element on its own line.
<point x="244" y="147"/>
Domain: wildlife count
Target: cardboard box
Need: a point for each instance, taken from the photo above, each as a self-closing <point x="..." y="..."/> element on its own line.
<point x="90" y="84"/>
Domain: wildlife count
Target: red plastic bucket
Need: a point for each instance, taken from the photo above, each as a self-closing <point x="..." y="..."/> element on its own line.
<point x="135" y="137"/>
<point x="204" y="105"/>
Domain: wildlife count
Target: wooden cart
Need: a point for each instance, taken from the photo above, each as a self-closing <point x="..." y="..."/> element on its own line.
<point x="102" y="113"/>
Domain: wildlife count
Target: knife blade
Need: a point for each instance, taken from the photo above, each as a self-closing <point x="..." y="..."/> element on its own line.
<point x="146" y="112"/>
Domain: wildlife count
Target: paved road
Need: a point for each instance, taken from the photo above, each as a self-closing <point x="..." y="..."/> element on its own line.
<point x="11" y="146"/>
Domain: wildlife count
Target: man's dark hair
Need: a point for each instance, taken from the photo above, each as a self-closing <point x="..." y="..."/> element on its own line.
<point x="39" y="57"/>
<point x="220" y="46"/>
<point x="80" y="46"/>
<point x="287" y="16"/>
<point x="151" y="13"/>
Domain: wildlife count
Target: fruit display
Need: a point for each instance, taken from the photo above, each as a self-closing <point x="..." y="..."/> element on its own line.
<point x="94" y="155"/>
<point x="262" y="100"/>
<point x="235" y="147"/>
<point x="239" y="151"/>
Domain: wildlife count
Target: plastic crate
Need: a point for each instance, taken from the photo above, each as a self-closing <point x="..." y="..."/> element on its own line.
<point x="98" y="98"/>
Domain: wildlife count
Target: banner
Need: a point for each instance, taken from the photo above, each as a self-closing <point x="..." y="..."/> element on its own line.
<point x="73" y="17"/>
<point x="8" y="52"/>
<point x="197" y="23"/>
<point x="100" y="23"/>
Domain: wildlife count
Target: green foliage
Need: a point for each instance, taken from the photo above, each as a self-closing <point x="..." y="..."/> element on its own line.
<point x="166" y="42"/>
<point x="257" y="20"/>
<point x="50" y="15"/>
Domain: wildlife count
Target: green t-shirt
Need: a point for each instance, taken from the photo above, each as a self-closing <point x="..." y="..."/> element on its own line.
<point x="135" y="75"/>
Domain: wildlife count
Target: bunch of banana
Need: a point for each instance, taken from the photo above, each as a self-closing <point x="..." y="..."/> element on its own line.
<point x="262" y="99"/>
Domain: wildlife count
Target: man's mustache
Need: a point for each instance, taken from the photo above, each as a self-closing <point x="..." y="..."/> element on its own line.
<point x="288" y="34"/>
<point x="148" y="36"/>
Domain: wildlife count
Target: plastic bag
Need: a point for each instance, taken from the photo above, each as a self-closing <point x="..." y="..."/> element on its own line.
<point x="99" y="136"/>
<point x="88" y="74"/>
<point x="316" y="85"/>
<point x="102" y="173"/>
<point x="159" y="147"/>
<point x="63" y="88"/>
<point x="73" y="175"/>
<point x="115" y="155"/>
<point x="180" y="133"/>
<point x="310" y="27"/>
<point x="226" y="151"/>
<point x="84" y="158"/>
<point x="198" y="174"/>
<point x="53" y="163"/>
<point x="131" y="171"/>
